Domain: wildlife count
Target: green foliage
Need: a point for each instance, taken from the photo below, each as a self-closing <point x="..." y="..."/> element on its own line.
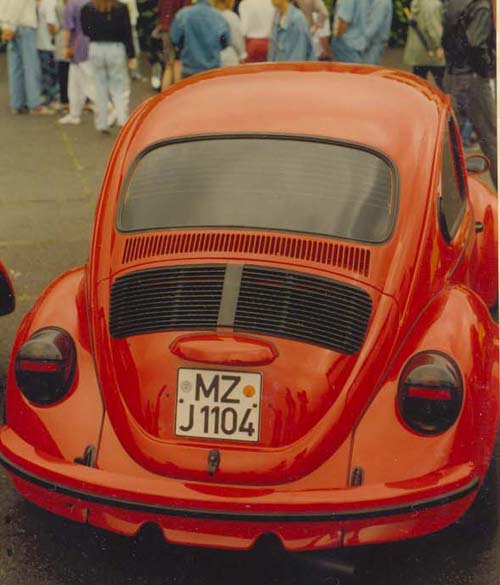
<point x="399" y="24"/>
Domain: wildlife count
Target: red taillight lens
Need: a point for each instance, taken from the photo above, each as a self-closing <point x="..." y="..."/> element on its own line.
<point x="430" y="393"/>
<point x="45" y="366"/>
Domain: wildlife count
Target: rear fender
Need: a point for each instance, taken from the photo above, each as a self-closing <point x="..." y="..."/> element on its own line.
<point x="65" y="429"/>
<point x="457" y="324"/>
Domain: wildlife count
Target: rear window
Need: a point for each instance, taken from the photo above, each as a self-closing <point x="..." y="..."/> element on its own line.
<point x="297" y="185"/>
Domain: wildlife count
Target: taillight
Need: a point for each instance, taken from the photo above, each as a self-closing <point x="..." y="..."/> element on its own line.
<point x="45" y="366"/>
<point x="430" y="393"/>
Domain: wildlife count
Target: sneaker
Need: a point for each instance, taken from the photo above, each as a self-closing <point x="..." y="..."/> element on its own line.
<point x="41" y="111"/>
<point x="69" y="119"/>
<point x="16" y="111"/>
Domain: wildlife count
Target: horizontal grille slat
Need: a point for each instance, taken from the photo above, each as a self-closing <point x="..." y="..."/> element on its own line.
<point x="166" y="299"/>
<point x="326" y="306"/>
<point x="301" y="307"/>
<point x="276" y="302"/>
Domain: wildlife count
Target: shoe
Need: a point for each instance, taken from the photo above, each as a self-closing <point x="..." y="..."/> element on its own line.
<point x="56" y="106"/>
<point x="16" y="111"/>
<point x="69" y="119"/>
<point x="104" y="131"/>
<point x="41" y="111"/>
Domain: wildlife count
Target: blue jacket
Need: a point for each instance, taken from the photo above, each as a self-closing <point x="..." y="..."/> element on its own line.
<point x="292" y="41"/>
<point x="201" y="32"/>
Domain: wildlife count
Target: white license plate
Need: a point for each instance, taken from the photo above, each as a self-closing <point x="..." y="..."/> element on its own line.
<point x="216" y="404"/>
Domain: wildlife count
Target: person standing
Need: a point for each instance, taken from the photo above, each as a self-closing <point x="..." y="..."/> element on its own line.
<point x="423" y="49"/>
<point x="81" y="84"/>
<point x="256" y="23"/>
<point x="167" y="9"/>
<point x="199" y="33"/>
<point x="468" y="43"/>
<point x="62" y="62"/>
<point x="45" y="33"/>
<point x="378" y="30"/>
<point x="111" y="50"/>
<point x="349" y="30"/>
<point x="235" y="52"/>
<point x="290" y="36"/>
<point x="18" y="21"/>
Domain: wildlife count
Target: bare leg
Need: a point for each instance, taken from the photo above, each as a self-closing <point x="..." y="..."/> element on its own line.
<point x="168" y="76"/>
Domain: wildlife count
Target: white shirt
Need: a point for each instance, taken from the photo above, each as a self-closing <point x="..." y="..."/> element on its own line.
<point x="46" y="15"/>
<point x="14" y="13"/>
<point x="256" y="18"/>
<point x="235" y="53"/>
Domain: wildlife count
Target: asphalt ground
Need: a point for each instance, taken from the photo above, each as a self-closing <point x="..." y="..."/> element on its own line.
<point x="49" y="182"/>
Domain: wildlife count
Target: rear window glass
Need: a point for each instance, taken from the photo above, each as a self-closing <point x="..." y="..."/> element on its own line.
<point x="297" y="185"/>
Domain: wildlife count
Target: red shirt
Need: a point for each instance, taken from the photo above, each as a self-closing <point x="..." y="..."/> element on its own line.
<point x="167" y="10"/>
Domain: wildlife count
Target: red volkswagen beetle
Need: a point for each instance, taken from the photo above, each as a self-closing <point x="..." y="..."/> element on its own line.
<point x="284" y="324"/>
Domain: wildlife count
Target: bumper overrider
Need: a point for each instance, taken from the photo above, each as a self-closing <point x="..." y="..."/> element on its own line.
<point x="234" y="517"/>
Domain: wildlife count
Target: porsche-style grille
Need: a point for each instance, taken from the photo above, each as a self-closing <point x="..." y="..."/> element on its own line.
<point x="280" y="303"/>
<point x="307" y="308"/>
<point x="166" y="299"/>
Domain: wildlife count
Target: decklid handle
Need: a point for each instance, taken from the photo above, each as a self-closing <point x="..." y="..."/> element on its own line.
<point x="234" y="350"/>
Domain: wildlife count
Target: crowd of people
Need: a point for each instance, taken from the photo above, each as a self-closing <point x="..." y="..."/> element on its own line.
<point x="454" y="41"/>
<point x="271" y="30"/>
<point x="72" y="54"/>
<point x="65" y="55"/>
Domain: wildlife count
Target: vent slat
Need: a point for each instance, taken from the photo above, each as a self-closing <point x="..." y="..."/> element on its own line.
<point x="306" y="308"/>
<point x="166" y="299"/>
<point x="280" y="303"/>
<point x="350" y="257"/>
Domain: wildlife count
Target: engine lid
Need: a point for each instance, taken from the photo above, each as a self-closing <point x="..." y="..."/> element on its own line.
<point x="268" y="383"/>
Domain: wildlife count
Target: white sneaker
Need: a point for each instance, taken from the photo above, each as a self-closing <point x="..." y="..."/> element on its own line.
<point x="69" y="119"/>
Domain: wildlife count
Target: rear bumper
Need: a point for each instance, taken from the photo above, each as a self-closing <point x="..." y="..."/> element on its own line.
<point x="235" y="517"/>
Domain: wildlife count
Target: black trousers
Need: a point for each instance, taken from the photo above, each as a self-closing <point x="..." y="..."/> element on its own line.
<point x="479" y="107"/>
<point x="62" y="74"/>
<point x="436" y="70"/>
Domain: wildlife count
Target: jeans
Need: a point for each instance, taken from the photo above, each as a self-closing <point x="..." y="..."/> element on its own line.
<point x="109" y="62"/>
<point x="50" y="86"/>
<point x="24" y="69"/>
<point x="373" y="55"/>
<point x="344" y="53"/>
<point x="472" y="99"/>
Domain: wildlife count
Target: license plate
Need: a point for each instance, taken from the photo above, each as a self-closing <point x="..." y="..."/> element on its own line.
<point x="214" y="404"/>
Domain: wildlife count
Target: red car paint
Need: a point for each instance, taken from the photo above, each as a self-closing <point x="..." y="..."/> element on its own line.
<point x="334" y="464"/>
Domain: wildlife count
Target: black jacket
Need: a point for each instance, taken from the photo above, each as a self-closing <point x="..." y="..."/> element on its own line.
<point x="469" y="37"/>
<point x="108" y="27"/>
